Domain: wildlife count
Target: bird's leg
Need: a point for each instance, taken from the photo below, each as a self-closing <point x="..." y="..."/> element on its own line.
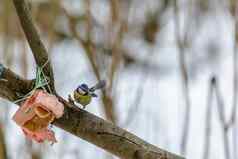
<point x="72" y="104"/>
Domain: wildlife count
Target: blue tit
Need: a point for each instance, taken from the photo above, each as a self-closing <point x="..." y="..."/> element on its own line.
<point x="83" y="94"/>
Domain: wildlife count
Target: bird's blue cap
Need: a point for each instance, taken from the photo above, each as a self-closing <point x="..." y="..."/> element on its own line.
<point x="83" y="87"/>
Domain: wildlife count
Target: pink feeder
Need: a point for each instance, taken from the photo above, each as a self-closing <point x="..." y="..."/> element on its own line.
<point x="36" y="113"/>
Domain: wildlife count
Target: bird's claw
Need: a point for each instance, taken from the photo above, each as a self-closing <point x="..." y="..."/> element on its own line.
<point x="70" y="99"/>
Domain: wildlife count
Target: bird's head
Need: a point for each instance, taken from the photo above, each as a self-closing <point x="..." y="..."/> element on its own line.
<point x="82" y="89"/>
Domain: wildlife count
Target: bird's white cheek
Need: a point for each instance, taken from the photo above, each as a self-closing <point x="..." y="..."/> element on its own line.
<point x="80" y="91"/>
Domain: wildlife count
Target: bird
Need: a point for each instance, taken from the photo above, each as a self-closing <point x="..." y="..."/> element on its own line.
<point x="83" y="94"/>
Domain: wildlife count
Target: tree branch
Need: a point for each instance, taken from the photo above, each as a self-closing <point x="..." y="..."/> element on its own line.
<point x="12" y="86"/>
<point x="88" y="126"/>
<point x="33" y="38"/>
<point x="108" y="136"/>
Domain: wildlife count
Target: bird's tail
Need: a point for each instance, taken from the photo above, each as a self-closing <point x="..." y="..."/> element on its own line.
<point x="101" y="84"/>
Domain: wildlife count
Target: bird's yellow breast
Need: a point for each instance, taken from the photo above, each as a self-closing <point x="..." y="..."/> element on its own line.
<point x="82" y="99"/>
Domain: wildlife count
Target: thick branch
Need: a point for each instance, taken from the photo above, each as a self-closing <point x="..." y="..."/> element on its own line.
<point x="108" y="136"/>
<point x="12" y="86"/>
<point x="88" y="126"/>
<point x="37" y="47"/>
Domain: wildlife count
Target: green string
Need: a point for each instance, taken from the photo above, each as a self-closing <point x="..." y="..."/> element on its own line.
<point x="41" y="82"/>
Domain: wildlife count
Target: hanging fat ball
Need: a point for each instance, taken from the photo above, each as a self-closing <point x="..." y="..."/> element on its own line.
<point x="83" y="94"/>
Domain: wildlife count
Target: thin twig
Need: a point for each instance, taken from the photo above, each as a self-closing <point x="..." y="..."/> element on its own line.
<point x="208" y="120"/>
<point x="233" y="119"/>
<point x="221" y="115"/>
<point x="184" y="76"/>
<point x="90" y="52"/>
<point x="139" y="93"/>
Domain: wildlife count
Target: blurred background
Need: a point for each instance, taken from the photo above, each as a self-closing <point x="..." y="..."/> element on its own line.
<point x="170" y="67"/>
